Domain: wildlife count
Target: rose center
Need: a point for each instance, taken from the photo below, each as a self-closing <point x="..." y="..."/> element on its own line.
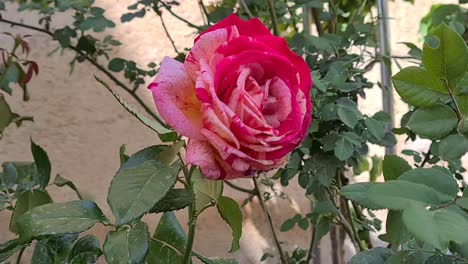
<point x="260" y="103"/>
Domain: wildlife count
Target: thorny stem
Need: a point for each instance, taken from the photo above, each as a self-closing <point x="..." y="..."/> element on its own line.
<point x="270" y="222"/>
<point x="241" y="189"/>
<point x="96" y="64"/>
<point x="274" y="22"/>
<point x="190" y="237"/>
<point x="312" y="244"/>
<point x="344" y="223"/>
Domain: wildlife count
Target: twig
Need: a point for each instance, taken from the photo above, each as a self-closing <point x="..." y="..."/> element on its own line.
<point x="315" y="18"/>
<point x="246" y="8"/>
<point x="96" y="64"/>
<point x="274" y="22"/>
<point x="270" y="222"/>
<point x="312" y="244"/>
<point x="204" y="11"/>
<point x="168" y="8"/>
<point x="168" y="35"/>
<point x="344" y="222"/>
<point x="292" y="16"/>
<point x="20" y="255"/>
<point x="241" y="189"/>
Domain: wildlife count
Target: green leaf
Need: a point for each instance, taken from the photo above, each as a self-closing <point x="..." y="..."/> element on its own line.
<point x="122" y="155"/>
<point x="436" y="178"/>
<point x="64" y="35"/>
<point x="449" y="59"/>
<point x="463" y="203"/>
<point x="116" y="64"/>
<point x="60" y="182"/>
<point x="127" y="245"/>
<point x="206" y="260"/>
<point x="393" y="166"/>
<point x="135" y="190"/>
<point x="53" y="249"/>
<point x="25" y="175"/>
<point x="207" y="192"/>
<point x="441" y="260"/>
<point x="11" y="74"/>
<point x="419" y="87"/>
<point x="376" y="169"/>
<point x="232" y="215"/>
<point x="397" y="195"/>
<point x="288" y="224"/>
<point x="175" y="199"/>
<point x="85" y="250"/>
<point x="348" y="112"/>
<point x="376" y="255"/>
<point x="453" y="147"/>
<point x="6" y="116"/>
<point x="97" y="22"/>
<point x="27" y="201"/>
<point x="168" y="243"/>
<point x="9" y="248"/>
<point x="375" y="128"/>
<point x="9" y="176"/>
<point x="343" y="149"/>
<point x="406" y="257"/>
<point x="163" y="132"/>
<point x="439" y="228"/>
<point x="433" y="122"/>
<point x="59" y="218"/>
<point x="359" y="193"/>
<point x="42" y="163"/>
<point x="397" y="233"/>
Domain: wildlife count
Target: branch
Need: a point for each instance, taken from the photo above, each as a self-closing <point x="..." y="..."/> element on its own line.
<point x="96" y="64"/>
<point x="241" y="189"/>
<point x="274" y="22"/>
<point x="270" y="223"/>
<point x="168" y="35"/>
<point x="168" y="8"/>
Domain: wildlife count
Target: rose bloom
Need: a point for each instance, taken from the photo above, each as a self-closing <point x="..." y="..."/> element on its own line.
<point x="242" y="97"/>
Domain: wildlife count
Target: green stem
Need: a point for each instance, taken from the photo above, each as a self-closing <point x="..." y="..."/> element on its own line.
<point x="191" y="237"/>
<point x="312" y="244"/>
<point x="457" y="108"/>
<point x="274" y="22"/>
<point x="97" y="65"/>
<point x="241" y="189"/>
<point x="20" y="255"/>
<point x="270" y="223"/>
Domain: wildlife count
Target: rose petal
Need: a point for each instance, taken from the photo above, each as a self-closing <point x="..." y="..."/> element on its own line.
<point x="252" y="27"/>
<point x="205" y="47"/>
<point x="174" y="96"/>
<point x="203" y="155"/>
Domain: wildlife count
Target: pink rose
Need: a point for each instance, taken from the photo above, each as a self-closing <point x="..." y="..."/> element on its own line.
<point x="241" y="97"/>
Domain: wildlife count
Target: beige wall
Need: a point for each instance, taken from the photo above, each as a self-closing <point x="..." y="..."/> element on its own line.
<point x="82" y="127"/>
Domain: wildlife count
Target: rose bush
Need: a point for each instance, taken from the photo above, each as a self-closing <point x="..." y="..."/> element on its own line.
<point x="242" y="97"/>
